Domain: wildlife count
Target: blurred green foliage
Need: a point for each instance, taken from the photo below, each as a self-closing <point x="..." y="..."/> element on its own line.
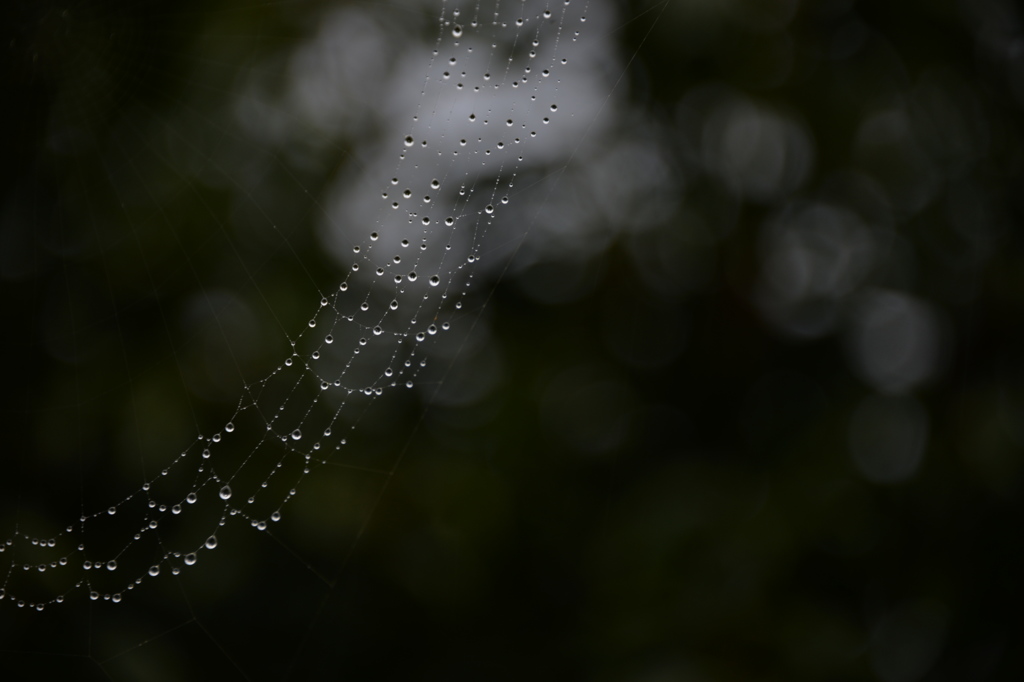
<point x="662" y="483"/>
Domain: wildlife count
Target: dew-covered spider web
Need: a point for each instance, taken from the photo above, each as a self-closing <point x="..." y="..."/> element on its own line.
<point x="268" y="235"/>
<point x="491" y="339"/>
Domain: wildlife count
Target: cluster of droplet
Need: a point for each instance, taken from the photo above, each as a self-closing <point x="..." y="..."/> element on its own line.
<point x="420" y="305"/>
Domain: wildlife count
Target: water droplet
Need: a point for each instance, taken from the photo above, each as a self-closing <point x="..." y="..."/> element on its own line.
<point x="412" y="276"/>
<point x="435" y="280"/>
<point x="176" y="509"/>
<point x="489" y="209"/>
<point x="312" y="323"/>
<point x="229" y="427"/>
<point x="276" y="516"/>
<point x="409" y="141"/>
<point x="112" y="511"/>
<point x="190" y="559"/>
<point x="377" y="331"/>
<point x="191" y="498"/>
<point x="456" y="31"/>
<point x="225" y="492"/>
<point x="211" y="542"/>
<point x="111" y="565"/>
<point x="154" y="571"/>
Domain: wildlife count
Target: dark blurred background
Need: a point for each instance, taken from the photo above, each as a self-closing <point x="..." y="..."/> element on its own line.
<point x="747" y="405"/>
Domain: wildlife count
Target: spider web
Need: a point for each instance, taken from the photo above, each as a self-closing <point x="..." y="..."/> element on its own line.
<point x="732" y="391"/>
<point x="266" y="236"/>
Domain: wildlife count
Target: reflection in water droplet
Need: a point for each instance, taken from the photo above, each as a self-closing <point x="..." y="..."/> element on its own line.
<point x="225" y="493"/>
